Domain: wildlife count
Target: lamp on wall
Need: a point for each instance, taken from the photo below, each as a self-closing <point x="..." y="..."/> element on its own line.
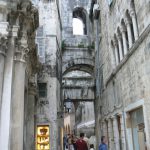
<point x="68" y="105"/>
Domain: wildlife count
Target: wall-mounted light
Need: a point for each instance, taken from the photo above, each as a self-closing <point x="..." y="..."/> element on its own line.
<point x="42" y="137"/>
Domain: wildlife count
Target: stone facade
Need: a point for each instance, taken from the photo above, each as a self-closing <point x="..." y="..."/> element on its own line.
<point x="123" y="101"/>
<point x="19" y="64"/>
<point x="78" y="66"/>
<point x="49" y="106"/>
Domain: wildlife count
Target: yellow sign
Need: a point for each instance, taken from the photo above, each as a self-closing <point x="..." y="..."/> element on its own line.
<point x="43" y="138"/>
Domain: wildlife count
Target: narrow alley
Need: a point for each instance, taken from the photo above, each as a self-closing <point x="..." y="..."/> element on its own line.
<point x="74" y="74"/>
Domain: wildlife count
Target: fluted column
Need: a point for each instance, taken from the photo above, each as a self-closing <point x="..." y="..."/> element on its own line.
<point x="17" y="114"/>
<point x="116" y="133"/>
<point x="128" y="24"/>
<point x="3" y="48"/>
<point x="120" y="46"/>
<point x="124" y="38"/>
<point x="7" y="91"/>
<point x="123" y="132"/>
<point x="116" y="52"/>
<point x="134" y="22"/>
<point x="30" y="115"/>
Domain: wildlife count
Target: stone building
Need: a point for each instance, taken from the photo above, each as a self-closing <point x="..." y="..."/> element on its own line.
<point x="78" y="66"/>
<point x="18" y="68"/>
<point x="123" y="100"/>
<point x="49" y="105"/>
<point x="30" y="75"/>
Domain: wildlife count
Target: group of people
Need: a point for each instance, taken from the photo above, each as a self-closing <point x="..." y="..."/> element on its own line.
<point x="71" y="142"/>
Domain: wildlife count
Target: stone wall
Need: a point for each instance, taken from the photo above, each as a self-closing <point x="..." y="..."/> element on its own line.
<point x="78" y="56"/>
<point x="19" y="65"/>
<point x="49" y="43"/>
<point x="125" y="83"/>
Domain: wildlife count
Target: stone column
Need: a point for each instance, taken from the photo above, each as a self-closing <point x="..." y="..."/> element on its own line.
<point x="30" y="135"/>
<point x="134" y="22"/>
<point x="123" y="133"/>
<point x="125" y="48"/>
<point x="116" y="133"/>
<point x="128" y="24"/>
<point x="3" y="47"/>
<point x="120" y="46"/>
<point x="110" y="134"/>
<point x="7" y="91"/>
<point x="116" y="52"/>
<point x="17" y="114"/>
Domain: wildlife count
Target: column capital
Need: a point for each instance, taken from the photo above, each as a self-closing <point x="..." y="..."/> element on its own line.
<point x="3" y="44"/>
<point x="123" y="29"/>
<point x="132" y="13"/>
<point x="14" y="30"/>
<point x="119" y="37"/>
<point x="4" y="28"/>
<point x="115" y="42"/>
<point x="21" y="53"/>
<point x="127" y="21"/>
<point x="22" y="48"/>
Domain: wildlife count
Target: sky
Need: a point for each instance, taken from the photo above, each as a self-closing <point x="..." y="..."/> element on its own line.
<point x="77" y="26"/>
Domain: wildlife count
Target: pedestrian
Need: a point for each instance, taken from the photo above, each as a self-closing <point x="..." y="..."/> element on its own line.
<point x="92" y="147"/>
<point x="74" y="139"/>
<point x="86" y="140"/>
<point x="65" y="141"/>
<point x="103" y="145"/>
<point x="70" y="143"/>
<point x="81" y="144"/>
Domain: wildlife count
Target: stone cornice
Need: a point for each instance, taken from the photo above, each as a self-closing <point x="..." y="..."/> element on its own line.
<point x="131" y="51"/>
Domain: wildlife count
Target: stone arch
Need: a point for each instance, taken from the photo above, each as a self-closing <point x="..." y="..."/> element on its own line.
<point x="113" y="57"/>
<point x="129" y="19"/>
<point x="83" y="64"/>
<point x="121" y="40"/>
<point x="81" y="13"/>
<point x="124" y="29"/>
<point x="82" y="67"/>
<point x="116" y="40"/>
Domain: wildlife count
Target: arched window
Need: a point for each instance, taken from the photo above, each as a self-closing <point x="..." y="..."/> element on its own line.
<point x="79" y="21"/>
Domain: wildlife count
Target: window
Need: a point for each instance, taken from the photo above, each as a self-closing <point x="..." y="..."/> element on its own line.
<point x="42" y="89"/>
<point x="79" y="21"/>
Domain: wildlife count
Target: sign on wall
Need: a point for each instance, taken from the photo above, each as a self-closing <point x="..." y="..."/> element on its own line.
<point x="42" y="137"/>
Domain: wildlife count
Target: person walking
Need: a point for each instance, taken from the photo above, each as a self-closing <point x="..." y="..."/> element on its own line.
<point x="65" y="141"/>
<point x="81" y="144"/>
<point x="86" y="140"/>
<point x="70" y="144"/>
<point x="74" y="139"/>
<point x="103" y="145"/>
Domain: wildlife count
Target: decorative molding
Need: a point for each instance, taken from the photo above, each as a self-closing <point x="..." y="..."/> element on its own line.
<point x="22" y="51"/>
<point x="128" y="55"/>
